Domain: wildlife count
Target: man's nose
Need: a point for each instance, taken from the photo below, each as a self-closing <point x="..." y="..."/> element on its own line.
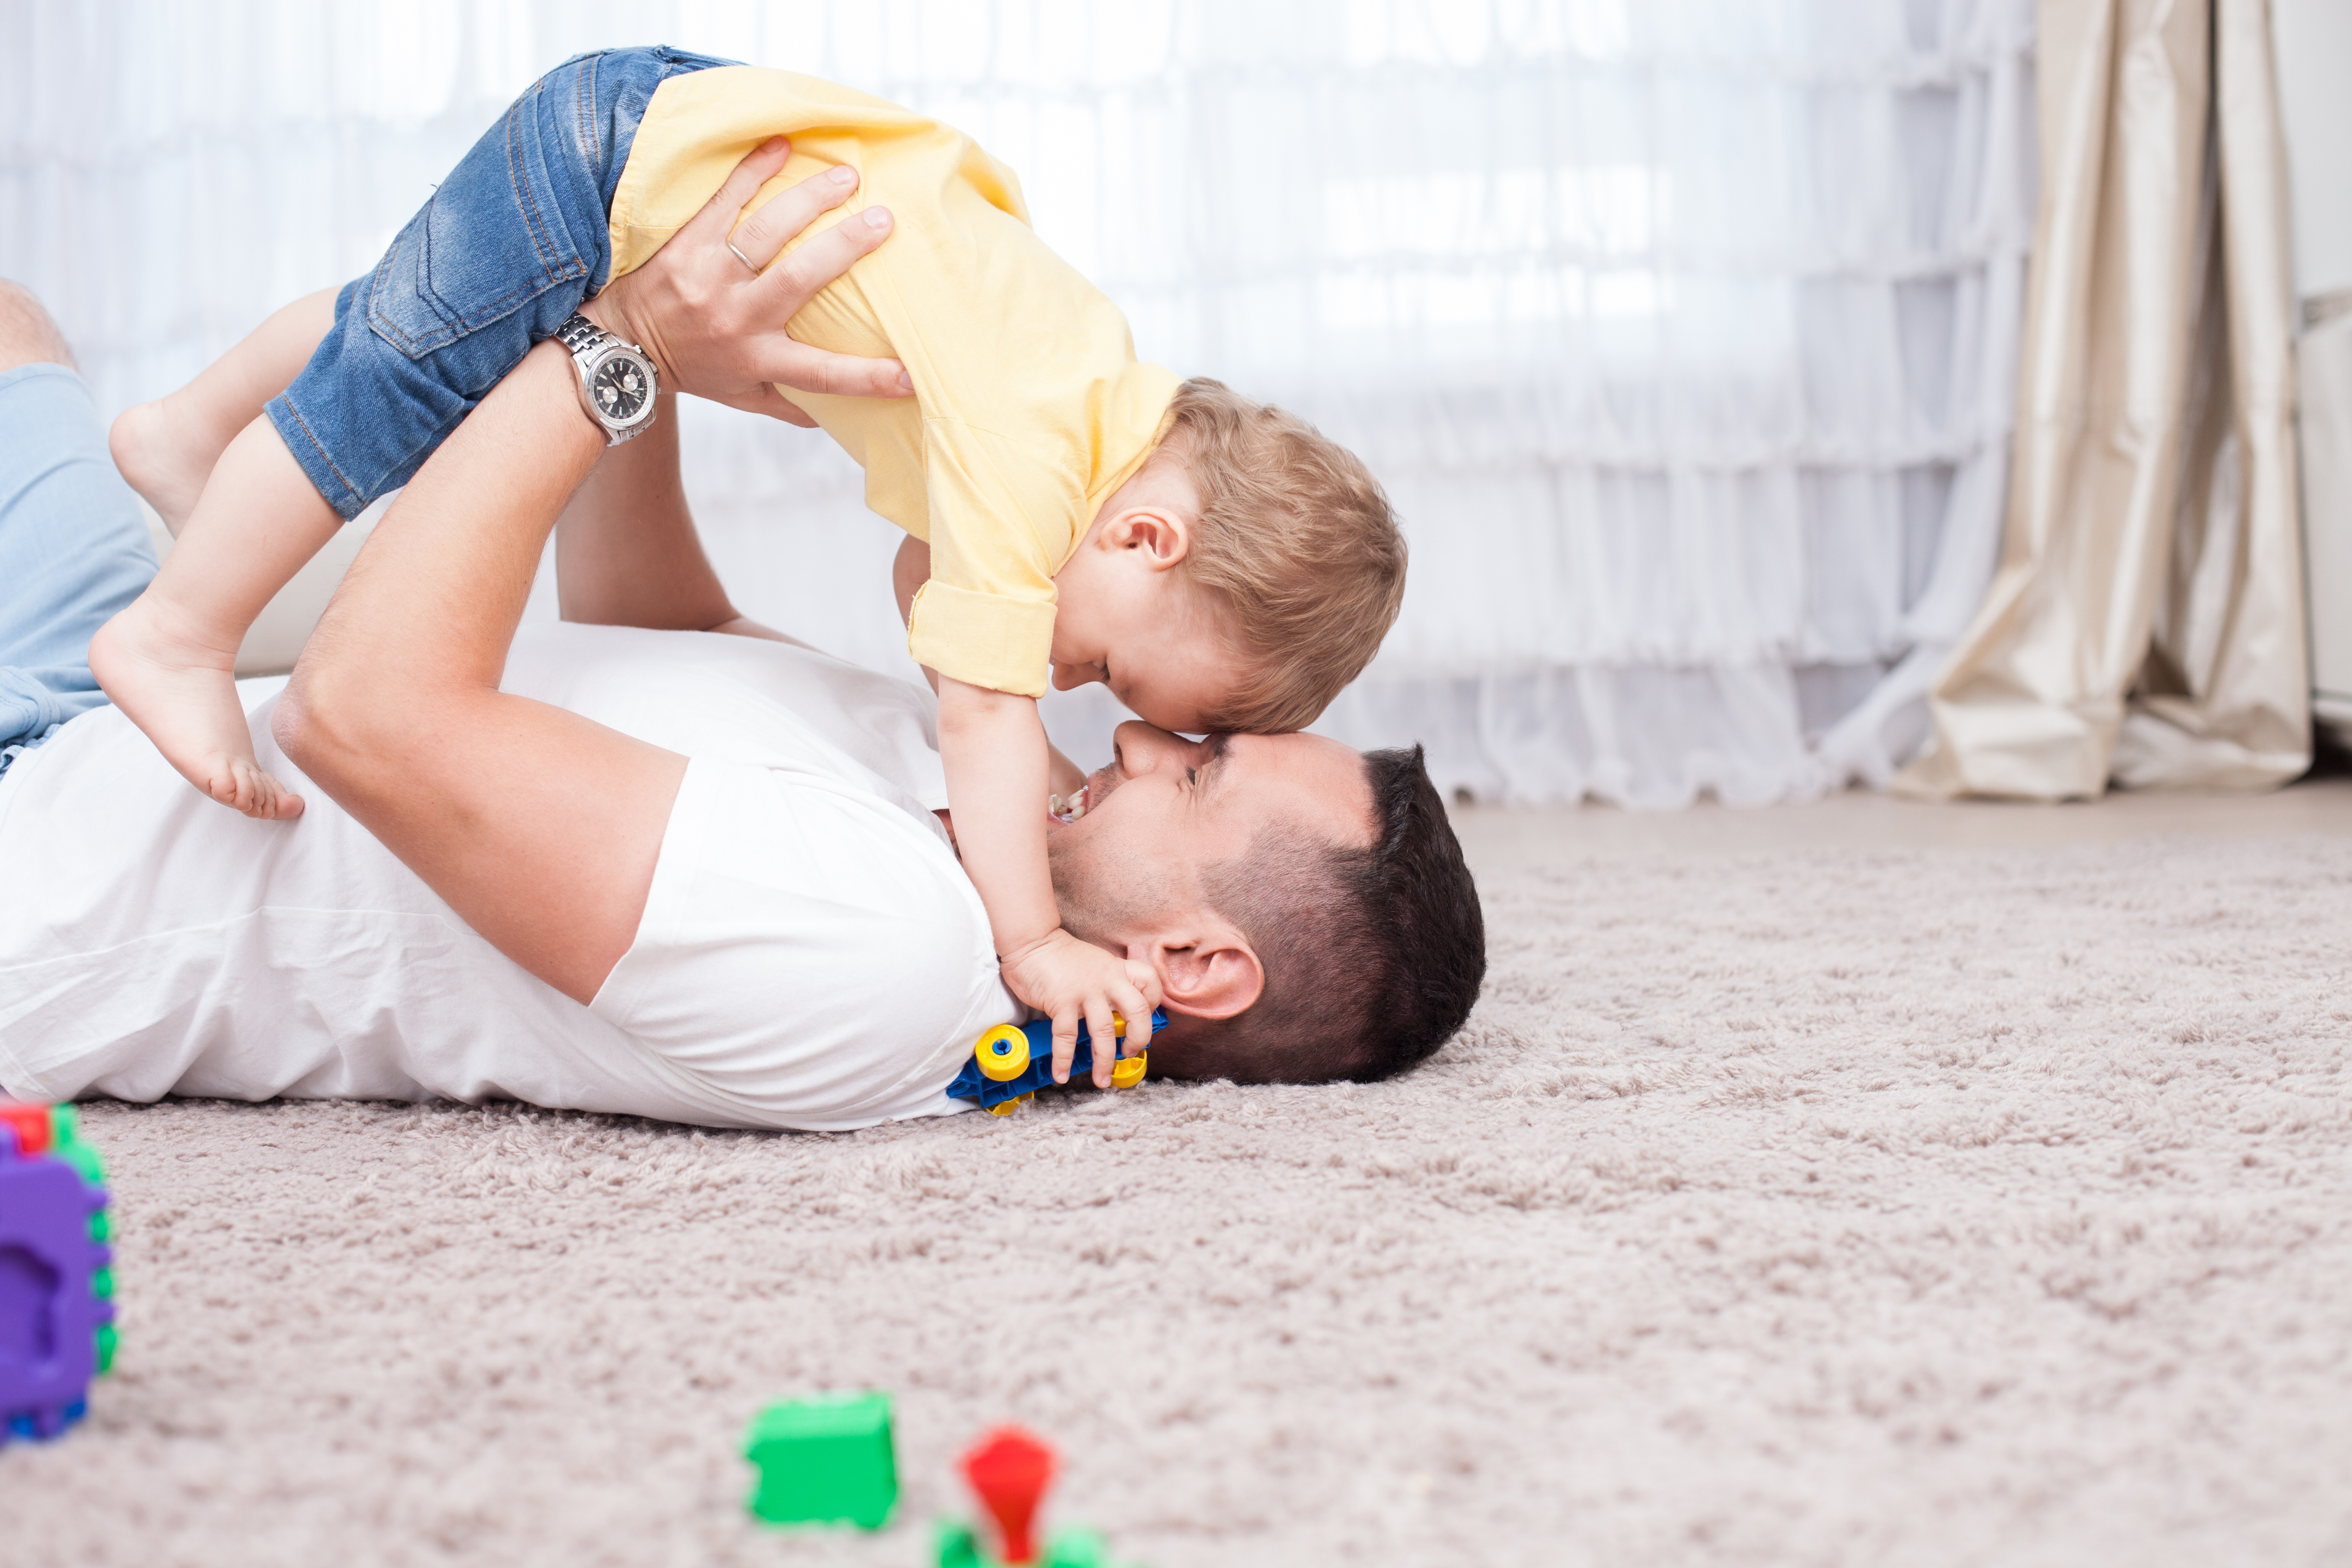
<point x="1145" y="748"/>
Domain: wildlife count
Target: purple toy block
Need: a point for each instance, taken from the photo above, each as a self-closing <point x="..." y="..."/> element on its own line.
<point x="50" y="1276"/>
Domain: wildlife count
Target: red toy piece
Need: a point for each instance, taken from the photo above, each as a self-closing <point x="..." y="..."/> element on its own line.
<point x="31" y="1124"/>
<point x="1011" y="1469"/>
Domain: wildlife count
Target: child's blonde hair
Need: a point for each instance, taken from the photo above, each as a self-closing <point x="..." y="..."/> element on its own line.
<point x="1295" y="543"/>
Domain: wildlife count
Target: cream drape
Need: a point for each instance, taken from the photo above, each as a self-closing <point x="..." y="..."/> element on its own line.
<point x="2146" y="625"/>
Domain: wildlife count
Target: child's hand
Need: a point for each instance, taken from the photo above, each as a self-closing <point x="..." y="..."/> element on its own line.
<point x="1063" y="978"/>
<point x="1063" y="776"/>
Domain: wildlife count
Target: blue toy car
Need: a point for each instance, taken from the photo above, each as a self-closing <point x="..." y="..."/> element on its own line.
<point x="1013" y="1061"/>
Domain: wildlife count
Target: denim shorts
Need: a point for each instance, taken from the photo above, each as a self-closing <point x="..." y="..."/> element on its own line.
<point x="511" y="244"/>
<point x="73" y="549"/>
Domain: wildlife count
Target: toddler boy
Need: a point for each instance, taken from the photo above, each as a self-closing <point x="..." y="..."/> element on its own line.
<point x="1072" y="514"/>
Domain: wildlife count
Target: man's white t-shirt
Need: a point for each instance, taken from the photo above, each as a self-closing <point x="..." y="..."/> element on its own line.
<point x="812" y="955"/>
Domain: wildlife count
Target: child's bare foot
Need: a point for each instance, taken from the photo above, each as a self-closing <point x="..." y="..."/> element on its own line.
<point x="180" y="690"/>
<point x="165" y="459"/>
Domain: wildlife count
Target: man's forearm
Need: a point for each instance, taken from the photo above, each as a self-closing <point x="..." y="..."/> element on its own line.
<point x="433" y="600"/>
<point x="626" y="552"/>
<point x="540" y="828"/>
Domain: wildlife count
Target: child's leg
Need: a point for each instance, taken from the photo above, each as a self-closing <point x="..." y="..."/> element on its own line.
<point x="352" y="401"/>
<point x="167" y="447"/>
<point x="169" y="661"/>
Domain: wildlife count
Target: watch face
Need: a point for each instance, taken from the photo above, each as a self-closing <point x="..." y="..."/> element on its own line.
<point x="621" y="388"/>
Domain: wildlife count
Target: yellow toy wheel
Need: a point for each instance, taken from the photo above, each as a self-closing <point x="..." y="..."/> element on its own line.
<point x="1127" y="1071"/>
<point x="1001" y="1054"/>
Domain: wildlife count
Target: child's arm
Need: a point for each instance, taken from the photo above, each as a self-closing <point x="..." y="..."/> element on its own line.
<point x="909" y="571"/>
<point x="995" y="754"/>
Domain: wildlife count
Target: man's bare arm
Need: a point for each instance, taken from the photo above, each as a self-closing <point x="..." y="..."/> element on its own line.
<point x="626" y="552"/>
<point x="540" y="828"/>
<point x="626" y="549"/>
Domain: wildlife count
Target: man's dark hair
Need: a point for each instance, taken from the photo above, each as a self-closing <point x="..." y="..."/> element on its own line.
<point x="1372" y="956"/>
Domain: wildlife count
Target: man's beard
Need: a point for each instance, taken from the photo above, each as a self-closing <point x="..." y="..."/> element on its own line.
<point x="1097" y="895"/>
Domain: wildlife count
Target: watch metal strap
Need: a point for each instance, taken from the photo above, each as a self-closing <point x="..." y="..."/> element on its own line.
<point x="580" y="334"/>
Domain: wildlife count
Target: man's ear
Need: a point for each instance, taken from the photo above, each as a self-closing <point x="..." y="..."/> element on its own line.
<point x="1161" y="536"/>
<point x="1218" y="976"/>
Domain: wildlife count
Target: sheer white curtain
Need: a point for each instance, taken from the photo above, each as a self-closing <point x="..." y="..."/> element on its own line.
<point x="1682" y="332"/>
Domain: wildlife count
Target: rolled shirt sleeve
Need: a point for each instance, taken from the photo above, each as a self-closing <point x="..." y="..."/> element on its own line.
<point x="983" y="639"/>
<point x="986" y="616"/>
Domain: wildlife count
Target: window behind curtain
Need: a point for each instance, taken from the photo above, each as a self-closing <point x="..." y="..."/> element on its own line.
<point x="1682" y="331"/>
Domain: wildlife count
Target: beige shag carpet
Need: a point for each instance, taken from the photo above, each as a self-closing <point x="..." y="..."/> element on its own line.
<point x="1938" y="1207"/>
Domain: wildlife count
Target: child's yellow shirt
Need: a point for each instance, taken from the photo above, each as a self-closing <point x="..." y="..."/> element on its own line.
<point x="1029" y="408"/>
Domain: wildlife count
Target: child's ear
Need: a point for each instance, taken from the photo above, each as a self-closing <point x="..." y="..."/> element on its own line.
<point x="1162" y="537"/>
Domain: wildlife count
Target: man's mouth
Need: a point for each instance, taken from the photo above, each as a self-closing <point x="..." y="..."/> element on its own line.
<point x="1069" y="808"/>
<point x="1072" y="807"/>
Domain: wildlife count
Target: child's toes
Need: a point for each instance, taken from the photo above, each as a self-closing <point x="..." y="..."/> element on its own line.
<point x="283" y="803"/>
<point x="225" y="785"/>
<point x="253" y="793"/>
<point x="239" y="785"/>
<point x="262" y="798"/>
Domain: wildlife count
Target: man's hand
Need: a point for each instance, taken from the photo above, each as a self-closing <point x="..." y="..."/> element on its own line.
<point x="1065" y="978"/>
<point x="540" y="826"/>
<point x="716" y="329"/>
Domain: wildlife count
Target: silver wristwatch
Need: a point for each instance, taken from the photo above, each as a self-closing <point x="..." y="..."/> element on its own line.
<point x="617" y="380"/>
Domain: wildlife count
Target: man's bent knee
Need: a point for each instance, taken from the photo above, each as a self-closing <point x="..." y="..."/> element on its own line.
<point x="27" y="335"/>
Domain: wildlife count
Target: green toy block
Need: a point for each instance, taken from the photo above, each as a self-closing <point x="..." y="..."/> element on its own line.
<point x="825" y="1461"/>
<point x="958" y="1547"/>
<point x="66" y="1143"/>
<point x="1076" y="1548"/>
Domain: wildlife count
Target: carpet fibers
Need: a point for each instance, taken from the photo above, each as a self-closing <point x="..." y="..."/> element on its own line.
<point x="1841" y="1207"/>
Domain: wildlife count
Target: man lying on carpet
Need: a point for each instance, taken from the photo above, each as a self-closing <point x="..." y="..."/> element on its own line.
<point x="626" y="866"/>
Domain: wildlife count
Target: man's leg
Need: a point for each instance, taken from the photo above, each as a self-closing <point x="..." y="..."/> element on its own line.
<point x="73" y="546"/>
<point x="27" y="336"/>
